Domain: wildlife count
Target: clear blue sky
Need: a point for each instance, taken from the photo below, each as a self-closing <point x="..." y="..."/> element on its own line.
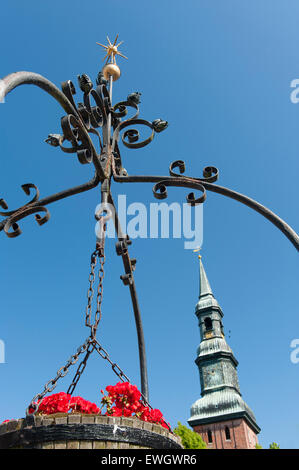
<point x="220" y="73"/>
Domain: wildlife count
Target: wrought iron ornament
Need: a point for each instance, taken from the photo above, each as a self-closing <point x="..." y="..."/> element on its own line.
<point x="95" y="114"/>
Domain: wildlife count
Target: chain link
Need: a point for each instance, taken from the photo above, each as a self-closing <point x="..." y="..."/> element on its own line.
<point x="80" y="369"/>
<point x="91" y="278"/>
<point x="98" y="313"/>
<point x="97" y="254"/>
<point x="104" y="354"/>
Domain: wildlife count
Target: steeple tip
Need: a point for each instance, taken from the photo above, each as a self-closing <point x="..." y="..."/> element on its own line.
<point x="205" y="288"/>
<point x="206" y="296"/>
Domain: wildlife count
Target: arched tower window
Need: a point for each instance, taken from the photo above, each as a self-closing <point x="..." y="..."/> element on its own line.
<point x="227" y="433"/>
<point x="210" y="437"/>
<point x="208" y="323"/>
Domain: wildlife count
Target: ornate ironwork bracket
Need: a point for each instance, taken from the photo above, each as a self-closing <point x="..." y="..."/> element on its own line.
<point x="96" y="115"/>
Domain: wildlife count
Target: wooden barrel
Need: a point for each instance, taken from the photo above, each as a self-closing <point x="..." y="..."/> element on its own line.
<point x="77" y="431"/>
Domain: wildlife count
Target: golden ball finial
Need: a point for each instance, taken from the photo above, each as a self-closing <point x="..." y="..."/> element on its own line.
<point x="112" y="70"/>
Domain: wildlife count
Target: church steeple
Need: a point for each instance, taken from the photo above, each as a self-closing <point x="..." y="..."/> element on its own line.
<point x="221" y="410"/>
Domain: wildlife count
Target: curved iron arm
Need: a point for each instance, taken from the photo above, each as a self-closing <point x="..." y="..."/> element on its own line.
<point x="264" y="211"/>
<point x="16" y="79"/>
<point x="13" y="80"/>
<point x="31" y="207"/>
<point x="129" y="266"/>
<point x="199" y="184"/>
<point x="65" y="99"/>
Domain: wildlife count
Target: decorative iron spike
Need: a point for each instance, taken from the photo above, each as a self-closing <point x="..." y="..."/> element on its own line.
<point x="100" y="80"/>
<point x="134" y="97"/>
<point x="53" y="139"/>
<point x="85" y="83"/>
<point x="159" y="125"/>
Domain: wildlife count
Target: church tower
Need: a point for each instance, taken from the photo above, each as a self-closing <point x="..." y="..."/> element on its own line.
<point x="221" y="416"/>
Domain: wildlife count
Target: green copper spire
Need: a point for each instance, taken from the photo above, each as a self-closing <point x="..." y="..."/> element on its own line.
<point x="204" y="285"/>
<point x="206" y="296"/>
<point x="221" y="398"/>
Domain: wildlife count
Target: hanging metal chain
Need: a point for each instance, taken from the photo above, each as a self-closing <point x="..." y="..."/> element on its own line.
<point x="49" y="386"/>
<point x="91" y="343"/>
<point x="104" y="354"/>
<point x="121" y="375"/>
<point x="89" y="346"/>
<point x="98" y="254"/>
<point x="80" y="369"/>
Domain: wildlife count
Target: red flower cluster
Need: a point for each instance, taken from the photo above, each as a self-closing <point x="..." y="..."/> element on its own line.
<point x="83" y="406"/>
<point x="152" y="416"/>
<point x="125" y="399"/>
<point x="56" y="403"/>
<point x="63" y="403"/>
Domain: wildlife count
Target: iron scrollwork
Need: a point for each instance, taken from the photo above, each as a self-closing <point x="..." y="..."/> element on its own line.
<point x="210" y="174"/>
<point x="27" y="209"/>
<point x="96" y="115"/>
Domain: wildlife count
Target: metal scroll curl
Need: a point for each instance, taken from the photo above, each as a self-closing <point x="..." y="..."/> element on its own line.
<point x="120" y="110"/>
<point x="26" y="188"/>
<point x="21" y="214"/>
<point x="73" y="132"/>
<point x="95" y="115"/>
<point x="88" y="117"/>
<point x="131" y="137"/>
<point x="210" y="173"/>
<point x="160" y="189"/>
<point x="98" y="113"/>
<point x="30" y="208"/>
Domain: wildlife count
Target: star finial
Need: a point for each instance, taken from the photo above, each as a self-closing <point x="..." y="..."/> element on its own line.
<point x="112" y="50"/>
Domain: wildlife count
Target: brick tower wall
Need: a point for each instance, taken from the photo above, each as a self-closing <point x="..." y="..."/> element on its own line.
<point x="241" y="435"/>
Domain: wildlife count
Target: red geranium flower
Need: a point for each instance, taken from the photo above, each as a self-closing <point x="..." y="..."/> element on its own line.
<point x="123" y="399"/>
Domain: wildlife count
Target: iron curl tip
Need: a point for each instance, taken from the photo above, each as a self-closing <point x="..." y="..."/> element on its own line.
<point x="53" y="139"/>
